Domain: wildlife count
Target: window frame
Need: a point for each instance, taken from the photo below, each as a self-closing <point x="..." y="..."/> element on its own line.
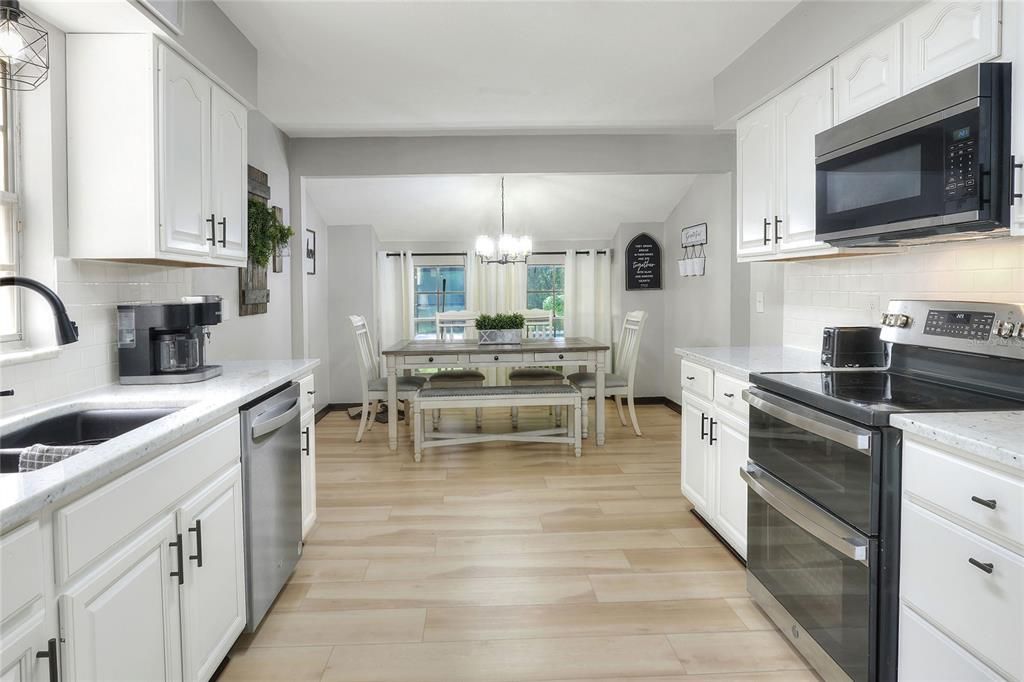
<point x="435" y="262"/>
<point x="10" y="129"/>
<point x="549" y="261"/>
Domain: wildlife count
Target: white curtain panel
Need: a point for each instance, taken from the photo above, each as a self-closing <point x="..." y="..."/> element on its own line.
<point x="588" y="295"/>
<point x="396" y="284"/>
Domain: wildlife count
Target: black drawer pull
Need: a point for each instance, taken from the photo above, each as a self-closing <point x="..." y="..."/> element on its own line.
<point x="991" y="504"/>
<point x="51" y="655"/>
<point x="690" y="378"/>
<point x="495" y="357"/>
<point x="198" y="556"/>
<point x="430" y="359"/>
<point x="729" y="395"/>
<point x="561" y="357"/>
<point x="305" y="448"/>
<point x="988" y="568"/>
<point x="180" y="573"/>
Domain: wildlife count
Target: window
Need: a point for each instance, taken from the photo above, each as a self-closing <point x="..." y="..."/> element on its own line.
<point x="545" y="290"/>
<point x="439" y="288"/>
<point x="10" y="297"/>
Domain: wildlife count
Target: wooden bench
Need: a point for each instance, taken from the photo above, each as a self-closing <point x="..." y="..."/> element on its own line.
<point x="498" y="396"/>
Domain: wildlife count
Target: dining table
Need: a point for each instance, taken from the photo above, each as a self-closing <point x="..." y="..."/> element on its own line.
<point x="410" y="355"/>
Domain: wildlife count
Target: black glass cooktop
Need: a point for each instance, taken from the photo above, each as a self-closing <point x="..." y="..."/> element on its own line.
<point x="871" y="396"/>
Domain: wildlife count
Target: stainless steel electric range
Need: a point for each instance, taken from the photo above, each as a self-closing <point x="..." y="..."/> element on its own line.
<point x="824" y="475"/>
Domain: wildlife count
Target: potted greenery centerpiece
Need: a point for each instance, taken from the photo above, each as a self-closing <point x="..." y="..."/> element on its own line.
<point x="501" y="328"/>
<point x="268" y="236"/>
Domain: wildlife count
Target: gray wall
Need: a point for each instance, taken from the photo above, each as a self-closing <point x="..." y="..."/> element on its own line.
<point x="811" y="35"/>
<point x="318" y="302"/>
<point x="652" y="344"/>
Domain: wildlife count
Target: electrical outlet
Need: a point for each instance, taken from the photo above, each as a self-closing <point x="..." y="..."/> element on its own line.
<point x="759" y="301"/>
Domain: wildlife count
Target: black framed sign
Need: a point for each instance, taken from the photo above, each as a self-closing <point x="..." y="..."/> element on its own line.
<point x="643" y="263"/>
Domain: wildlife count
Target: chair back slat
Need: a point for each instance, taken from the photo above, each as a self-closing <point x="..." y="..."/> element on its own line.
<point x="628" y="349"/>
<point x="539" y="324"/>
<point x="369" y="365"/>
<point x="448" y="323"/>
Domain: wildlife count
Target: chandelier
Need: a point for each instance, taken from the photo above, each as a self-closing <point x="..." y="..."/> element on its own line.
<point x="24" y="49"/>
<point x="507" y="248"/>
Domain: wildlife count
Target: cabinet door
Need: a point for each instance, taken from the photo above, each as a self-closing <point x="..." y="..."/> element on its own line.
<point x="213" y="599"/>
<point x="308" y="435"/>
<point x="694" y="468"/>
<point x="868" y="75"/>
<point x="755" y="173"/>
<point x="18" y="662"/>
<point x="184" y="186"/>
<point x="943" y="37"/>
<point x="730" y="455"/>
<point x="230" y="176"/>
<point x="122" y="622"/>
<point x="803" y="111"/>
<point x="1017" y="223"/>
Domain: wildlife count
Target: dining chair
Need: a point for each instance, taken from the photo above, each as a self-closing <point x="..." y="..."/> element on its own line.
<point x="375" y="387"/>
<point x="449" y="325"/>
<point x="622" y="381"/>
<point x="539" y="324"/>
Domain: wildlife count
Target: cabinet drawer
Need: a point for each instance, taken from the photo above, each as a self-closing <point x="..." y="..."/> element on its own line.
<point x="307" y="393"/>
<point x="496" y="357"/>
<point x="729" y="396"/>
<point x="981" y="610"/>
<point x="21" y="556"/>
<point x="927" y="655"/>
<point x="698" y="379"/>
<point x="557" y="357"/>
<point x="951" y="484"/>
<point x="88" y="527"/>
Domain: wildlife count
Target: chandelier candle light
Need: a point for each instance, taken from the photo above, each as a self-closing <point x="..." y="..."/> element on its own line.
<point x="507" y="249"/>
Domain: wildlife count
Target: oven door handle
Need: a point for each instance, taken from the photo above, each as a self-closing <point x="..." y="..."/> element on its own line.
<point x="806" y="514"/>
<point x="818" y="423"/>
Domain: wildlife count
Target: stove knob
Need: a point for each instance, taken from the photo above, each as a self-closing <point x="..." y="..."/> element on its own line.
<point x="902" y="320"/>
<point x="885" y="319"/>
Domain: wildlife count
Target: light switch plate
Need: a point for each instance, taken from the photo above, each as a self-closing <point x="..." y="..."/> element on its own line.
<point x="759" y="301"/>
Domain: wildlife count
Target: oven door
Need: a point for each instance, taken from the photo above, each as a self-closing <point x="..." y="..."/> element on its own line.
<point x="813" y="575"/>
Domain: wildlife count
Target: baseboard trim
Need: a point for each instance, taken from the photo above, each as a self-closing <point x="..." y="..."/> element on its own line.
<point x="718" y="536"/>
<point x="323" y="412"/>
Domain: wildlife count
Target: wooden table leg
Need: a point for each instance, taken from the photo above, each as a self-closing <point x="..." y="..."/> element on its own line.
<point x="392" y="403"/>
<point x="599" y="417"/>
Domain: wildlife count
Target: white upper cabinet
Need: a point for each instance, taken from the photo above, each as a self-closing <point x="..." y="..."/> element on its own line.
<point x="941" y="38"/>
<point x="156" y="156"/>
<point x="1016" y="12"/>
<point x="868" y="75"/>
<point x="755" y="181"/>
<point x="803" y="111"/>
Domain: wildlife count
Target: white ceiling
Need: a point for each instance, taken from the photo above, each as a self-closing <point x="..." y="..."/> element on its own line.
<point x="412" y="67"/>
<point x="459" y="207"/>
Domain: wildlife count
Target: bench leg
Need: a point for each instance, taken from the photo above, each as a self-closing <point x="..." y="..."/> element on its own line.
<point x="417" y="433"/>
<point x="577" y="418"/>
<point x="479" y="417"/>
<point x="515" y="417"/>
<point x="437" y="419"/>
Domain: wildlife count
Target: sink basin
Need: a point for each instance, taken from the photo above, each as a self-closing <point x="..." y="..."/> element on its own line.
<point x="85" y="427"/>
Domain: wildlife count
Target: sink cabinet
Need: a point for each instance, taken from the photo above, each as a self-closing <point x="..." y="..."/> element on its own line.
<point x="307" y="445"/>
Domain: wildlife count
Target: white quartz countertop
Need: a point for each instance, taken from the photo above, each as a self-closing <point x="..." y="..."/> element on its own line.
<point x="203" y="404"/>
<point x="998" y="436"/>
<point x="741" y="361"/>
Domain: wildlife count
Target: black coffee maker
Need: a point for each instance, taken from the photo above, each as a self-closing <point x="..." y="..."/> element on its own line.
<point x="165" y="343"/>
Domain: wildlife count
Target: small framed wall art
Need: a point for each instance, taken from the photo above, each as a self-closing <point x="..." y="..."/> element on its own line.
<point x="309" y="252"/>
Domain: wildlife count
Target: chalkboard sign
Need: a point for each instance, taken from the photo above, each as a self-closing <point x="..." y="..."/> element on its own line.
<point x="643" y="263"/>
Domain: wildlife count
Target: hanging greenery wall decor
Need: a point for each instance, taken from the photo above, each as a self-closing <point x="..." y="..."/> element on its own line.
<point x="267" y="234"/>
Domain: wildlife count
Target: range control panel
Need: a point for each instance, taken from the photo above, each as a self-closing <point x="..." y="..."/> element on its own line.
<point x="959" y="324"/>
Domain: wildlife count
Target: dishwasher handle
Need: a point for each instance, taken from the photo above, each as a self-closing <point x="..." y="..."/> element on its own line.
<point x="262" y="428"/>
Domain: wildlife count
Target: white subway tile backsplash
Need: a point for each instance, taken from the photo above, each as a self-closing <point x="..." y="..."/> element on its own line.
<point x="853" y="291"/>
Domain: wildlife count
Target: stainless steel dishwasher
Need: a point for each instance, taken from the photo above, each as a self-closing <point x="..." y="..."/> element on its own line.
<point x="272" y="492"/>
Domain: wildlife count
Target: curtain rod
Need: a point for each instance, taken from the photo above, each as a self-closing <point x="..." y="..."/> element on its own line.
<point x="463" y="253"/>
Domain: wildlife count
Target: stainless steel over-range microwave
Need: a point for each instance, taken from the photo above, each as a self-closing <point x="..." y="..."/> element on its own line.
<point x="932" y="165"/>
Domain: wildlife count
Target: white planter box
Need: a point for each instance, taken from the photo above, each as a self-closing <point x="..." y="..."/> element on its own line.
<point x="503" y="337"/>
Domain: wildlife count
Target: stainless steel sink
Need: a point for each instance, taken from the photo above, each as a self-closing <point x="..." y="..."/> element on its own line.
<point x="84" y="427"/>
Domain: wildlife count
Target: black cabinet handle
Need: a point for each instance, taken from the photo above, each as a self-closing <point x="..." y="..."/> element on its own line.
<point x="1014" y="194"/>
<point x="988" y="568"/>
<point x="305" y="448"/>
<point x="224" y="231"/>
<point x="51" y="655"/>
<point x="729" y="395"/>
<point x="703" y="430"/>
<point x="180" y="573"/>
<point x="711" y="431"/>
<point x="430" y="359"/>
<point x="991" y="504"/>
<point x="766" y="225"/>
<point x="495" y="357"/>
<point x="198" y="530"/>
<point x="310" y="392"/>
<point x="690" y="378"/>
<point x="561" y="357"/>
<point x="778" y="232"/>
<point x="213" y="230"/>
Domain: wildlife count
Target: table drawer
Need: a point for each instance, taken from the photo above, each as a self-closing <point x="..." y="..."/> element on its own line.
<point x="982" y="610"/>
<point x="21" y="558"/>
<point x="698" y="379"/>
<point x="307" y="393"/>
<point x="428" y="359"/>
<point x="966" y="491"/>
<point x="729" y="395"/>
<point x="927" y="655"/>
<point x="496" y="357"/>
<point x="559" y="357"/>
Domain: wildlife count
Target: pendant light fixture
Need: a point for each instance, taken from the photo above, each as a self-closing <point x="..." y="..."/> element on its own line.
<point x="507" y="248"/>
<point x="24" y="49"/>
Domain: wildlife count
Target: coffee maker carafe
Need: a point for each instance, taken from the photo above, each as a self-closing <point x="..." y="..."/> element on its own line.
<point x="165" y="343"/>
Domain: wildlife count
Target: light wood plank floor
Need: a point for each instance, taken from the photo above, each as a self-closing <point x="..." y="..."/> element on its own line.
<point x="507" y="562"/>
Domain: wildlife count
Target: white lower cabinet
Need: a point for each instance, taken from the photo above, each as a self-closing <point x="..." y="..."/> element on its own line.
<point x="123" y="621"/>
<point x="19" y="645"/>
<point x="307" y="434"/>
<point x="714" y="448"/>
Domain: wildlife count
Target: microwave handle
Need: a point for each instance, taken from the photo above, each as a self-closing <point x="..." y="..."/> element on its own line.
<point x="1014" y="194"/>
<point x="815" y="422"/>
<point x="805" y="514"/>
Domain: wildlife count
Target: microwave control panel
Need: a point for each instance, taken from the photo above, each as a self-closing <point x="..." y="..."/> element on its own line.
<point x="960" y="164"/>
